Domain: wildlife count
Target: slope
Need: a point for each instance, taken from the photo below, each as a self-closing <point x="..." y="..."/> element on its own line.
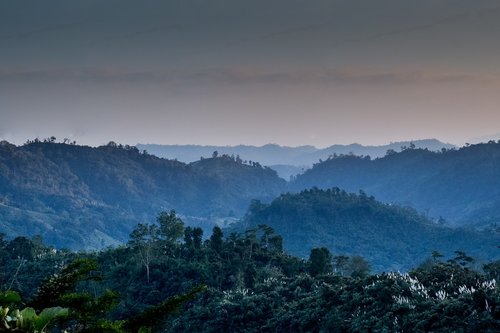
<point x="84" y="197"/>
<point x="389" y="236"/>
<point x="459" y="185"/>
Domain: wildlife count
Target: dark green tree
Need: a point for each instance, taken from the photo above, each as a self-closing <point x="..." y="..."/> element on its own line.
<point x="217" y="239"/>
<point x="171" y="227"/>
<point x="21" y="247"/>
<point x="358" y="267"/>
<point x="320" y="261"/>
<point x="51" y="291"/>
<point x="340" y="264"/>
<point x="188" y="237"/>
<point x="197" y="237"/>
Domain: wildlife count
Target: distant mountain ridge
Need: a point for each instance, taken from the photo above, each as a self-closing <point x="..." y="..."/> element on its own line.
<point x="288" y="160"/>
<point x="84" y="197"/>
<point x="459" y="185"/>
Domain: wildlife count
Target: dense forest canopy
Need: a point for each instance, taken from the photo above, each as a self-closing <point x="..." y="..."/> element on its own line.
<point x="167" y="279"/>
<point x="391" y="237"/>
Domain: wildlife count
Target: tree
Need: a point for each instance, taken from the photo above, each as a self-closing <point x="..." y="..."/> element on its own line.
<point x="390" y="152"/>
<point x="492" y="270"/>
<point x="154" y="315"/>
<point x="188" y="237"/>
<point x="171" y="227"/>
<point x="462" y="258"/>
<point x="436" y="255"/>
<point x="197" y="237"/>
<point x="320" y="261"/>
<point x="340" y="264"/>
<point x="53" y="288"/>
<point x="266" y="231"/>
<point x="144" y="239"/>
<point x="3" y="241"/>
<point x="217" y="239"/>
<point x="276" y="243"/>
<point x="358" y="267"/>
<point x="21" y="247"/>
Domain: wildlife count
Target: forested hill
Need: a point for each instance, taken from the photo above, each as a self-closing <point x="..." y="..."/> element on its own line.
<point x="459" y="185"/>
<point x="273" y="154"/>
<point x="389" y="236"/>
<point x="84" y="197"/>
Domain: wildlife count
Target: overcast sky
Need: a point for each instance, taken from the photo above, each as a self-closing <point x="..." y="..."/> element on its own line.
<point x="226" y="72"/>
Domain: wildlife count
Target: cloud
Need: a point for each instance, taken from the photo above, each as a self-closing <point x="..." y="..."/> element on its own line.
<point x="243" y="76"/>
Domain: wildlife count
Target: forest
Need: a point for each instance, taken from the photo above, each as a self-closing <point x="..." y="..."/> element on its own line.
<point x="391" y="237"/>
<point x="169" y="277"/>
<point x="249" y="166"/>
<point x="457" y="185"/>
<point x="248" y="253"/>
<point x="84" y="197"/>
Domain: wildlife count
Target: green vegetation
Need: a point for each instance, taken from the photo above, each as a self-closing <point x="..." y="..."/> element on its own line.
<point x="88" y="198"/>
<point x="460" y="186"/>
<point x="390" y="237"/>
<point x="26" y="320"/>
<point x="169" y="277"/>
<point x="82" y="197"/>
<point x="167" y="280"/>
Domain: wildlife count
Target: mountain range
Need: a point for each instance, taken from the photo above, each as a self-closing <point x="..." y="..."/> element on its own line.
<point x="456" y="185"/>
<point x="287" y="161"/>
<point x="85" y="197"/>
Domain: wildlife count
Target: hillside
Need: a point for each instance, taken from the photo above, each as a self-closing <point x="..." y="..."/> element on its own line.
<point x="286" y="161"/>
<point x="388" y="236"/>
<point x="84" y="197"/>
<point x="459" y="185"/>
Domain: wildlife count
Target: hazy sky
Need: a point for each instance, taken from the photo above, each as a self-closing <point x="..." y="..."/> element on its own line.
<point x="291" y="72"/>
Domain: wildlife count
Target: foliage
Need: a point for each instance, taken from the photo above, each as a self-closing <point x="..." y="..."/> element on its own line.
<point x="26" y="320"/>
<point x="87" y="198"/>
<point x="457" y="186"/>
<point x="320" y="261"/>
<point x="390" y="237"/>
<point x="417" y="301"/>
<point x="245" y="282"/>
<point x="60" y="284"/>
<point x="154" y="315"/>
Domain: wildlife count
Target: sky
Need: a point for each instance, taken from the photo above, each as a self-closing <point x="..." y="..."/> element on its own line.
<point x="227" y="72"/>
